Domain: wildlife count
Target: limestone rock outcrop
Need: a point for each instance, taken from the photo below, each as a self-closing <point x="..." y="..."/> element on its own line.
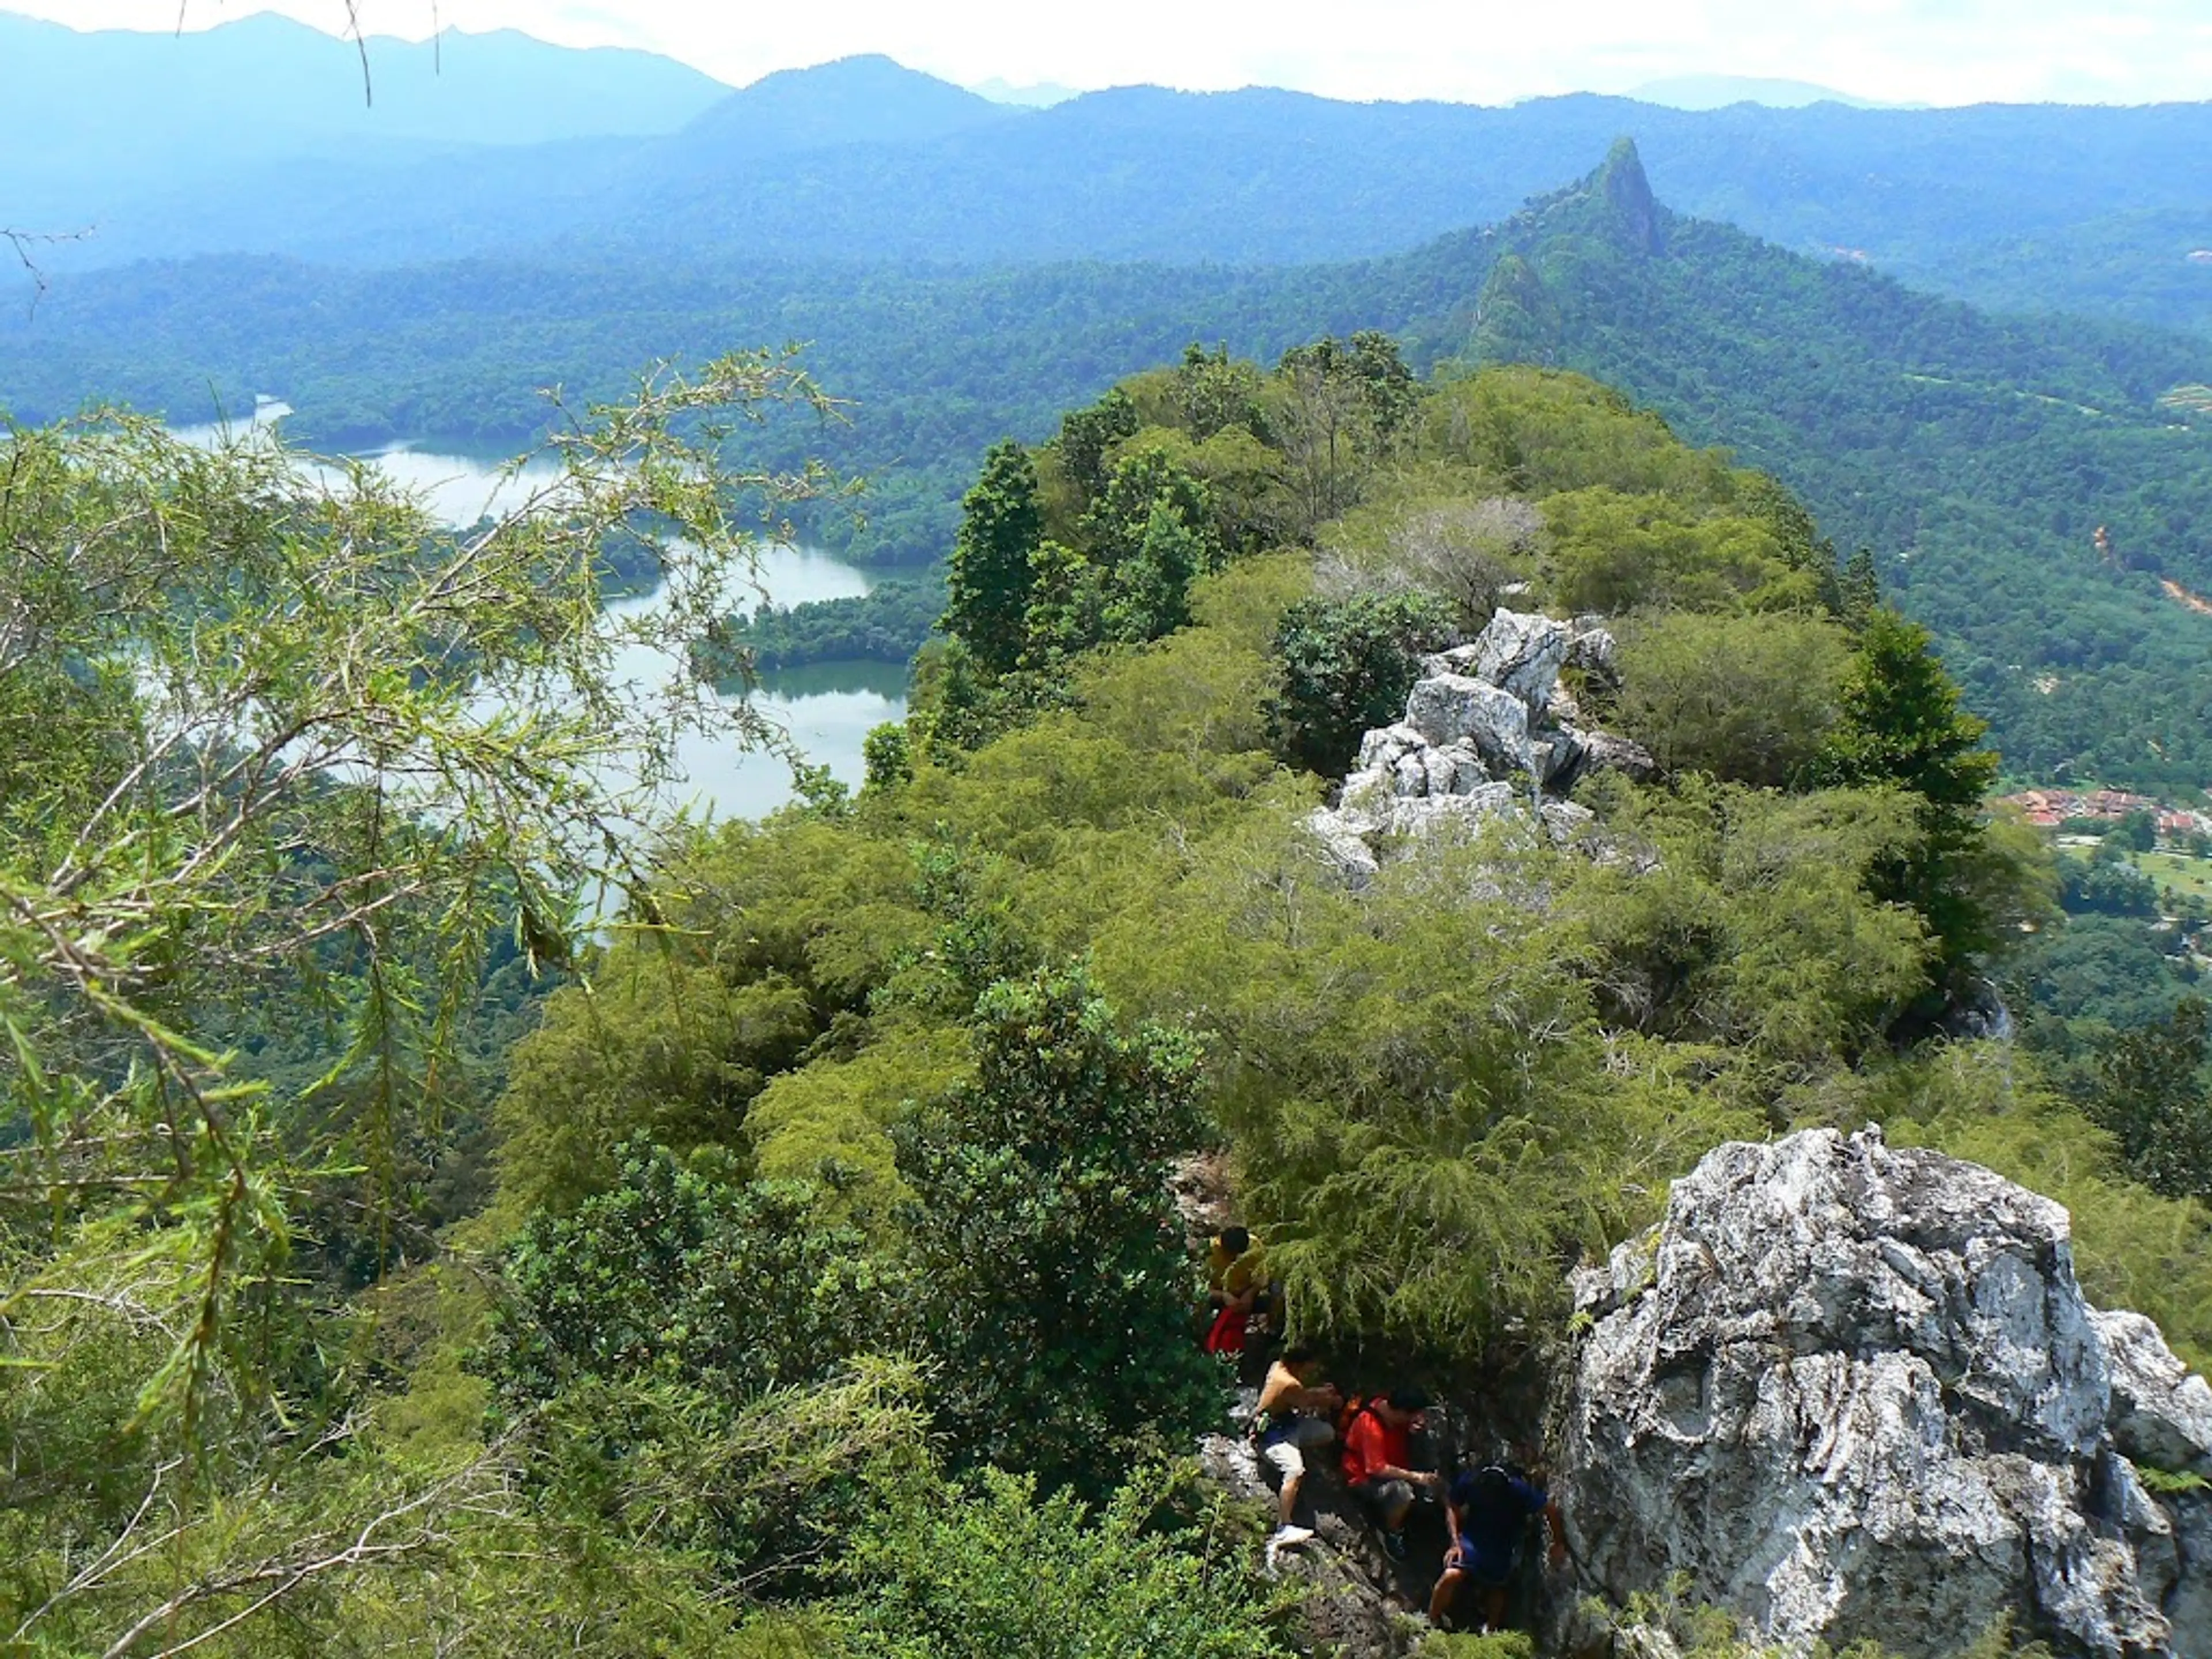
<point x="1344" y="1611"/>
<point x="1354" y="1602"/>
<point x="1488" y="732"/>
<point x="1853" y="1392"/>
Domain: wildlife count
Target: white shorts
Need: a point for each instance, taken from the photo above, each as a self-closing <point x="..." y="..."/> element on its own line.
<point x="1288" y="1453"/>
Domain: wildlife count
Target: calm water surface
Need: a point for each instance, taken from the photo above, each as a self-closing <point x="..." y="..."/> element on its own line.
<point x="828" y="708"/>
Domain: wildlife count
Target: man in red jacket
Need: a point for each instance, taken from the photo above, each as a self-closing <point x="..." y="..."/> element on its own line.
<point x="1378" y="1462"/>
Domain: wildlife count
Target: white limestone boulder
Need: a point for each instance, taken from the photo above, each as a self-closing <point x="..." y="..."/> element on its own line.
<point x="1521" y="653"/>
<point x="1852" y="1392"/>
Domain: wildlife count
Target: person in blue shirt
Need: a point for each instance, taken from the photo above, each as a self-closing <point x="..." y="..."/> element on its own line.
<point x="1490" y="1509"/>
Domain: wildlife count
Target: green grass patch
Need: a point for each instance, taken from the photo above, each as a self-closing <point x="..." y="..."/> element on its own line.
<point x="2192" y="878"/>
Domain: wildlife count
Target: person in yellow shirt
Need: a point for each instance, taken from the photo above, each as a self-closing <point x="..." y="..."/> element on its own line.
<point x="1234" y="1268"/>
<point x="1238" y="1294"/>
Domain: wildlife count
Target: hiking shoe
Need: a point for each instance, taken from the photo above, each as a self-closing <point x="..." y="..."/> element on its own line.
<point x="1286" y="1535"/>
<point x="1394" y="1546"/>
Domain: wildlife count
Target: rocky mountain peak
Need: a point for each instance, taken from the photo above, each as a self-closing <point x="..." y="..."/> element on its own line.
<point x="1633" y="212"/>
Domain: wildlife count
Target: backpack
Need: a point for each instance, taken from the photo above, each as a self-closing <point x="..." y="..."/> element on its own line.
<point x="1355" y="1406"/>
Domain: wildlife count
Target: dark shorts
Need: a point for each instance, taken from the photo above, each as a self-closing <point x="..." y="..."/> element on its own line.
<point x="1491" y="1569"/>
<point x="1381" y="1499"/>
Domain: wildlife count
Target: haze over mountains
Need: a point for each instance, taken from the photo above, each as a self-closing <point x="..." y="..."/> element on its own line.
<point x="1976" y="454"/>
<point x="137" y="110"/>
<point x="478" y="1175"/>
<point x="1719" y="91"/>
<point x="963" y="269"/>
<point x="259" y="141"/>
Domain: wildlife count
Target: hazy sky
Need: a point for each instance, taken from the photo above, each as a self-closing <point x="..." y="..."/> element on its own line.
<point x="1485" y="51"/>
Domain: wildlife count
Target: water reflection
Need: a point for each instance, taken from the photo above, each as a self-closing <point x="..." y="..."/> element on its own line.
<point x="828" y="709"/>
<point x="460" y="489"/>
<point x="456" y="489"/>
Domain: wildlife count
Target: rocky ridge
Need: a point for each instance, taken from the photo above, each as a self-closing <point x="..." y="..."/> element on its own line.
<point x="1841" y="1392"/>
<point x="1489" y="730"/>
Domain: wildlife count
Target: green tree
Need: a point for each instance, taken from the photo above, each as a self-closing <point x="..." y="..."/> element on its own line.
<point x="1901" y="723"/>
<point x="994" y="1569"/>
<point x="2109" y="884"/>
<point x="1152" y="588"/>
<point x="1144" y="480"/>
<point x="1342" y="405"/>
<point x="1216" y="393"/>
<point x="309" y="753"/>
<point x="1067" y="609"/>
<point x="888" y="757"/>
<point x="1348" y="666"/>
<point x="1048" y="1281"/>
<point x="1088" y="436"/>
<point x="2151" y="1093"/>
<point x="1749" y="698"/>
<point x="989" y="584"/>
<point x="1859" y="588"/>
<point x="677" y="1274"/>
<point x="337" y="748"/>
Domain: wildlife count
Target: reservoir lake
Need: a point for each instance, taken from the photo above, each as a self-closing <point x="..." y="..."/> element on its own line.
<point x="828" y="709"/>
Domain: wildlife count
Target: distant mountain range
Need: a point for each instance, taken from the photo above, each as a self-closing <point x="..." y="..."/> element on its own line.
<point x="867" y="100"/>
<point x="253" y="138"/>
<point x="1977" y="455"/>
<point x="265" y="86"/>
<point x="1701" y="91"/>
<point x="1041" y="94"/>
<point x="965" y="268"/>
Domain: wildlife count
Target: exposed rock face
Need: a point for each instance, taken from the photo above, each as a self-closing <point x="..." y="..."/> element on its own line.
<point x="1352" y="1609"/>
<point x="1450" y="709"/>
<point x="1520" y="654"/>
<point x="1603" y="752"/>
<point x="1855" y="1392"/>
<point x="2161" y="1412"/>
<point x="1487" y="728"/>
<point x="1590" y="648"/>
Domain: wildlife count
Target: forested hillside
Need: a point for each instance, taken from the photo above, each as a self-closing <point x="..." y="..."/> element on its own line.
<point x="2070" y="208"/>
<point x="1980" y="458"/>
<point x="1977" y="457"/>
<point x="829" y="1299"/>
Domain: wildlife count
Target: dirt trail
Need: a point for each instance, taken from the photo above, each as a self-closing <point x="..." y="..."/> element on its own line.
<point x="2181" y="595"/>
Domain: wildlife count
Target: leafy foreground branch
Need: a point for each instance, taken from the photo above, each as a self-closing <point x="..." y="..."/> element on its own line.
<point x="277" y="751"/>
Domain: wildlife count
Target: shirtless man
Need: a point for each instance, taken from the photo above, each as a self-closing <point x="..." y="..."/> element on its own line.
<point x="1296" y="1415"/>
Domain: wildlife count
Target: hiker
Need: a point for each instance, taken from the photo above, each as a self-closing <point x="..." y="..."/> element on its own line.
<point x="1236" y="1290"/>
<point x="1377" y="1462"/>
<point x="1489" y="1510"/>
<point x="1296" y="1415"/>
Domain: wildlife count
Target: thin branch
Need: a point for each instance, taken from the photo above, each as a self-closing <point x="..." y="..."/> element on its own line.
<point x="287" y="1572"/>
<point x="23" y="240"/>
<point x="360" y="44"/>
<point x="100" y="1564"/>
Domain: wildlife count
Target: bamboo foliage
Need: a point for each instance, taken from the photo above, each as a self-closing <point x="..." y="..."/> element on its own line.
<point x="262" y="720"/>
